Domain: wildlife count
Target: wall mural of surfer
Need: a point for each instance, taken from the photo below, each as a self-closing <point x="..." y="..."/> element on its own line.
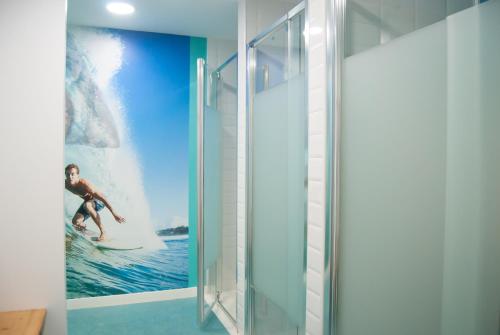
<point x="126" y="161"/>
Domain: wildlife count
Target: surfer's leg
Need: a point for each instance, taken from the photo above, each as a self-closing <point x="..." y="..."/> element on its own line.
<point x="78" y="221"/>
<point x="89" y="206"/>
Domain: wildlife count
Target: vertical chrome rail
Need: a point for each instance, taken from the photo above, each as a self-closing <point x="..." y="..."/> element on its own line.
<point x="328" y="328"/>
<point x="250" y="298"/>
<point x="200" y="87"/>
<point x="335" y="55"/>
<point x="338" y="34"/>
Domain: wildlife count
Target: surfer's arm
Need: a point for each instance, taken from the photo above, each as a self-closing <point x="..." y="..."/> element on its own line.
<point x="99" y="196"/>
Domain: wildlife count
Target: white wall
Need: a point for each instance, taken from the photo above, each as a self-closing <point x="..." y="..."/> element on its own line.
<point x="32" y="36"/>
<point x="219" y="50"/>
<point x="241" y="168"/>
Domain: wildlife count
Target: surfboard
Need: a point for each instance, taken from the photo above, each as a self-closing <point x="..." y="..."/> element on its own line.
<point x="109" y="244"/>
<point x="114" y="244"/>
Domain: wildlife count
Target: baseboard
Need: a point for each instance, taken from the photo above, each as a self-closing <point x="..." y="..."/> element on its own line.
<point x="132" y="298"/>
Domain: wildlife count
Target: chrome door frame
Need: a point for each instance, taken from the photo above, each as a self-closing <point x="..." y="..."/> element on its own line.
<point x="200" y="165"/>
<point x="335" y="29"/>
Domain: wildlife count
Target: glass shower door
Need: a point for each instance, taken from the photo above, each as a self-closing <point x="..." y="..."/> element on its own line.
<point x="208" y="209"/>
<point x="278" y="174"/>
<point x="217" y="118"/>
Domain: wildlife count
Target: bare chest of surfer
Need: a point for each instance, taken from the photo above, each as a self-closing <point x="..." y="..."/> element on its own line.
<point x="81" y="190"/>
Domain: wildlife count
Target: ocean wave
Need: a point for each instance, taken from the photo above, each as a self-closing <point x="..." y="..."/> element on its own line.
<point x="97" y="140"/>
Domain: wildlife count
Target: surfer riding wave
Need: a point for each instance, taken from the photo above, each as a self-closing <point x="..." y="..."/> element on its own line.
<point x="93" y="201"/>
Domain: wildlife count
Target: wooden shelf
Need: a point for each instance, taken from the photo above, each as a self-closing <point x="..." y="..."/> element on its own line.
<point x="28" y="322"/>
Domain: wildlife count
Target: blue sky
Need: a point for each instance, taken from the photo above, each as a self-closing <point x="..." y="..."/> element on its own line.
<point x="153" y="84"/>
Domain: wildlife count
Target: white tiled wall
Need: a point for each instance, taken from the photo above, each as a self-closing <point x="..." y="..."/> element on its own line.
<point x="241" y="180"/>
<point x="218" y="51"/>
<point x="227" y="107"/>
<point x="317" y="89"/>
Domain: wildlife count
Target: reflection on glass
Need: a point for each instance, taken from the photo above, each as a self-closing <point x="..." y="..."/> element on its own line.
<point x="271" y="60"/>
<point x="374" y="22"/>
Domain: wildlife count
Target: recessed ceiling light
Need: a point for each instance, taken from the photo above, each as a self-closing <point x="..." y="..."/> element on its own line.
<point x="120" y="8"/>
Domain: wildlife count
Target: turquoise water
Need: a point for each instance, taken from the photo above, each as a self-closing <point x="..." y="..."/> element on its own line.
<point x="173" y="317"/>
<point x="92" y="272"/>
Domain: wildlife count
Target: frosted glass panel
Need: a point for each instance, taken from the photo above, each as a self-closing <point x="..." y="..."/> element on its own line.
<point x="279" y="151"/>
<point x="471" y="285"/>
<point x="392" y="186"/>
<point x="420" y="181"/>
<point x="279" y="207"/>
<point x="488" y="299"/>
<point x="463" y="177"/>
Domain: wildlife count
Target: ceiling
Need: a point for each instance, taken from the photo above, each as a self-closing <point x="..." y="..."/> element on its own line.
<point x="202" y="18"/>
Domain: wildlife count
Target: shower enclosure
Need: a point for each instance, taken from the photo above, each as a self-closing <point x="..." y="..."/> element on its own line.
<point x="217" y="154"/>
<point x="415" y="150"/>
<point x="277" y="178"/>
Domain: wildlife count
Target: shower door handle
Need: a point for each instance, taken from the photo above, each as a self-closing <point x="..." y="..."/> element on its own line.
<point x="200" y="106"/>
